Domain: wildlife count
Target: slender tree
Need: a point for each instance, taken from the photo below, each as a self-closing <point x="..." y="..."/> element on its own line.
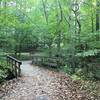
<point x="97" y="15"/>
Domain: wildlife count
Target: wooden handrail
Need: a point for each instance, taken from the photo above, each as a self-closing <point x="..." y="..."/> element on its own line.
<point x="15" y="64"/>
<point x="14" y="59"/>
<point x="41" y="60"/>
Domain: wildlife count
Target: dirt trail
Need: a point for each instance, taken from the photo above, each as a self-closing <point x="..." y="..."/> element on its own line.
<point x="38" y="83"/>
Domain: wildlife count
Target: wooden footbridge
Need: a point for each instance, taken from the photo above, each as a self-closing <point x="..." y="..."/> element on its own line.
<point x="15" y="65"/>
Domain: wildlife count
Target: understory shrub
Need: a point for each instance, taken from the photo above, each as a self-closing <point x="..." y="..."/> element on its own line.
<point x="4" y="70"/>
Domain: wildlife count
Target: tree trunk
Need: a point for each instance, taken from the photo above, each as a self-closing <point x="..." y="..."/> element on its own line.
<point x="92" y="22"/>
<point x="97" y="14"/>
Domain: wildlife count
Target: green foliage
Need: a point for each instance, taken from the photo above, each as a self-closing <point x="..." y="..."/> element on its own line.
<point x="67" y="69"/>
<point x="4" y="70"/>
<point x="2" y="76"/>
<point x="88" y="53"/>
<point x="51" y="26"/>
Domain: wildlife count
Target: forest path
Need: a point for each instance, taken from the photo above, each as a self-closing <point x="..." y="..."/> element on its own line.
<point x="38" y="83"/>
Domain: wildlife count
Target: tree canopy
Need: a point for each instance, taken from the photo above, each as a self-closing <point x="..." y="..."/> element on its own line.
<point x="69" y="28"/>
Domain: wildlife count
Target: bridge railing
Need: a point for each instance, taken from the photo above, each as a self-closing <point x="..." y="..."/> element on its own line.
<point x="50" y="61"/>
<point x="15" y="64"/>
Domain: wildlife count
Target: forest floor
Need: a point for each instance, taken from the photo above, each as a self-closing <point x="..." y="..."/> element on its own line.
<point x="39" y="83"/>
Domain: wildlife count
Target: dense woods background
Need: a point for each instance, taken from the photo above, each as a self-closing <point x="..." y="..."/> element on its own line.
<point x="67" y="29"/>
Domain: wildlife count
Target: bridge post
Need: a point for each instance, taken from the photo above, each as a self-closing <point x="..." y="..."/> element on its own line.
<point x="19" y="69"/>
<point x="15" y="64"/>
<point x="15" y="70"/>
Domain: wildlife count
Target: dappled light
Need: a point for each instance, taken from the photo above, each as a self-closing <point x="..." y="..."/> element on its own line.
<point x="49" y="49"/>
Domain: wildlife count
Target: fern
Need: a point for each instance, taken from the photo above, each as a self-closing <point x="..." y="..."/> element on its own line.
<point x="88" y="53"/>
